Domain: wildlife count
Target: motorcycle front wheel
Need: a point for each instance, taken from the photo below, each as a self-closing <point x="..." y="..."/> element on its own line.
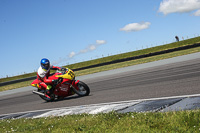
<point x="84" y="90"/>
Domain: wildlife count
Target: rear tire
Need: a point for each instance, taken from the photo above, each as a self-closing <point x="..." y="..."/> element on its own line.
<point x="84" y="90"/>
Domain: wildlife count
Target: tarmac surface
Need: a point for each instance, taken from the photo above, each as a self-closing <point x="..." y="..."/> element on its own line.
<point x="166" y="85"/>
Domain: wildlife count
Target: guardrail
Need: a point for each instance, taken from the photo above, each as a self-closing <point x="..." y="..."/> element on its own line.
<point x="115" y="61"/>
<point x="17" y="81"/>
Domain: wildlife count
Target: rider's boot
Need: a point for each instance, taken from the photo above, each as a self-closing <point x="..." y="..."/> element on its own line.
<point x="49" y="90"/>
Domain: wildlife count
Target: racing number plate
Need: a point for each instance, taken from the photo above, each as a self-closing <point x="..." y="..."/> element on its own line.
<point x="71" y="74"/>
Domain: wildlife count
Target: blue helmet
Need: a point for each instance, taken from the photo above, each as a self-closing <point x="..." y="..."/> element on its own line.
<point x="45" y="64"/>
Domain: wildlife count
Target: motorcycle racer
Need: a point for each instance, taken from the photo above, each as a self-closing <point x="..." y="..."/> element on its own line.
<point x="43" y="73"/>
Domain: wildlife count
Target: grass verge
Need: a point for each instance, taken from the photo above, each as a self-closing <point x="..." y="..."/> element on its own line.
<point x="180" y="121"/>
<point x="113" y="66"/>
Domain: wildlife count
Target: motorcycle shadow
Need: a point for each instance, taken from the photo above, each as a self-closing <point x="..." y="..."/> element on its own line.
<point x="67" y="98"/>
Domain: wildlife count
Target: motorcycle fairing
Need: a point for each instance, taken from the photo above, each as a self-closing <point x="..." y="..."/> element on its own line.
<point x="68" y="75"/>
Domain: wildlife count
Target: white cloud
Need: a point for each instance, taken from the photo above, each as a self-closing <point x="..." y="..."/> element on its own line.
<point x="100" y="41"/>
<point x="89" y="48"/>
<point x="197" y="13"/>
<point x="82" y="51"/>
<point x="92" y="47"/>
<point x="72" y="54"/>
<point x="178" y="6"/>
<point x="135" y="26"/>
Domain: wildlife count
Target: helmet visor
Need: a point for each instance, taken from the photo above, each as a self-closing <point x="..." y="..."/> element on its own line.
<point x="45" y="66"/>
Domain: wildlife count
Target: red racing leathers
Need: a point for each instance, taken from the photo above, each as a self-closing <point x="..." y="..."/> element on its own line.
<point x="42" y="77"/>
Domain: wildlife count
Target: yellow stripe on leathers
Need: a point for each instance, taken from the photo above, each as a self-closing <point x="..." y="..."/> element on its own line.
<point x="35" y="85"/>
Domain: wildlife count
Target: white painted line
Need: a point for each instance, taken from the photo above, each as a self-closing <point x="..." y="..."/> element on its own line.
<point x="96" y="108"/>
<point x="101" y="109"/>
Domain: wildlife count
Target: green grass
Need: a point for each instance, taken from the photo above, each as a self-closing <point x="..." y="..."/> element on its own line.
<point x="17" y="77"/>
<point x="16" y="85"/>
<point x="180" y="121"/>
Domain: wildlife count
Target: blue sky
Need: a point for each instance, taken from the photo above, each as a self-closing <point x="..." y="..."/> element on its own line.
<point x="70" y="31"/>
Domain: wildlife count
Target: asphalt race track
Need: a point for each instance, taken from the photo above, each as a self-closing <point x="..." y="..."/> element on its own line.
<point x="151" y="80"/>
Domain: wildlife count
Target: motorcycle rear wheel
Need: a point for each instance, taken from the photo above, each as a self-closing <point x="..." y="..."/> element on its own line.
<point x="84" y="90"/>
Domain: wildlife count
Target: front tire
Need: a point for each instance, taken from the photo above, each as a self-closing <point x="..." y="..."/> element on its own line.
<point x="84" y="90"/>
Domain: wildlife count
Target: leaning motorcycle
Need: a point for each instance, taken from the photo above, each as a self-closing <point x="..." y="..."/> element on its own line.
<point x="66" y="86"/>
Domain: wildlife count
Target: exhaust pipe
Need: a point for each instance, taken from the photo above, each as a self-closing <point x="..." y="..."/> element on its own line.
<point x="38" y="93"/>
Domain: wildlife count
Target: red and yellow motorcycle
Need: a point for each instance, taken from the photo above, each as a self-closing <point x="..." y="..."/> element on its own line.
<point x="66" y="86"/>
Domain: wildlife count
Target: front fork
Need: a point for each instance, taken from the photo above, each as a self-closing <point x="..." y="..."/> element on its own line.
<point x="75" y="84"/>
